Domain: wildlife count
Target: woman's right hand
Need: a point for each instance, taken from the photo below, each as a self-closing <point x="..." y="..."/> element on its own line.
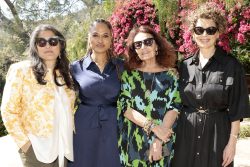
<point x="162" y="133"/>
<point x="26" y="146"/>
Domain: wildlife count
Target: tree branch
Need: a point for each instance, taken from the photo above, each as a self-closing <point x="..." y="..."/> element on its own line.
<point x="90" y="3"/>
<point x="18" y="21"/>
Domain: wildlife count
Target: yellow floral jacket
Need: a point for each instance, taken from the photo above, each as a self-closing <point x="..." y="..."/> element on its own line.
<point x="28" y="107"/>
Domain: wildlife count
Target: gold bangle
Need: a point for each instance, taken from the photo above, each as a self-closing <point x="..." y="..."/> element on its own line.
<point x="235" y="136"/>
<point x="152" y="126"/>
<point x="148" y="125"/>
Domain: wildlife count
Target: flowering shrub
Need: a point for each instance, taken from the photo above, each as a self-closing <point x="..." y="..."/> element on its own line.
<point x="140" y="12"/>
<point x="236" y="35"/>
<point x="128" y="14"/>
<point x="177" y="31"/>
<point x="239" y="25"/>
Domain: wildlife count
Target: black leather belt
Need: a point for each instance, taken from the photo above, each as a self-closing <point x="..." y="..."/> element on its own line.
<point x="203" y="111"/>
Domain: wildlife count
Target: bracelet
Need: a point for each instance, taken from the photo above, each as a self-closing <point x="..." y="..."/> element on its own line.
<point x="148" y="125"/>
<point x="235" y="136"/>
<point x="152" y="126"/>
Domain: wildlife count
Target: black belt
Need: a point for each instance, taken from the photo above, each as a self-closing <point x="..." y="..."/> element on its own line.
<point x="203" y="111"/>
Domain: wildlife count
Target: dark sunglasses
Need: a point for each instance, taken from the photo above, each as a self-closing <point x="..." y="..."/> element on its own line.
<point x="146" y="42"/>
<point x="209" y="30"/>
<point x="42" y="42"/>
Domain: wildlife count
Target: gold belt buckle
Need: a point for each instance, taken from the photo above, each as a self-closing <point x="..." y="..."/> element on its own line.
<point x="202" y="111"/>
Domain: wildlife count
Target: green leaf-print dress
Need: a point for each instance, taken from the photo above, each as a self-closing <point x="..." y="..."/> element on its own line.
<point x="151" y="94"/>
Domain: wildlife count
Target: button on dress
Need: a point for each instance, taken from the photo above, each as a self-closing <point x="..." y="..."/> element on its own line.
<point x="95" y="140"/>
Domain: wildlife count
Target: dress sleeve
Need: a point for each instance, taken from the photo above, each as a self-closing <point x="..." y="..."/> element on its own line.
<point x="11" y="107"/>
<point x="174" y="95"/>
<point x="124" y="100"/>
<point x="239" y="107"/>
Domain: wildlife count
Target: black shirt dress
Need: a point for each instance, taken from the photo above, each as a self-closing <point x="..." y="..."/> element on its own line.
<point x="213" y="97"/>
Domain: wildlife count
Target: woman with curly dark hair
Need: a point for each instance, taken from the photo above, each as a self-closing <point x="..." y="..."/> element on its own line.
<point x="38" y="101"/>
<point x="149" y="102"/>
<point x="214" y="94"/>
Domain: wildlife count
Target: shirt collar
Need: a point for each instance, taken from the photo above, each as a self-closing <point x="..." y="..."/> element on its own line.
<point x="87" y="61"/>
<point x="195" y="59"/>
<point x="219" y="52"/>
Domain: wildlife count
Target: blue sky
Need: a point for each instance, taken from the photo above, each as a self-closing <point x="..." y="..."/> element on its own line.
<point x="78" y="5"/>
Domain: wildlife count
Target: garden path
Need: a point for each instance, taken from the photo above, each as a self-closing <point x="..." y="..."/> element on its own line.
<point x="9" y="156"/>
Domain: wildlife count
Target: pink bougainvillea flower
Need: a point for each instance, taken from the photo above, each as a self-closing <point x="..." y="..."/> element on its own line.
<point x="131" y="13"/>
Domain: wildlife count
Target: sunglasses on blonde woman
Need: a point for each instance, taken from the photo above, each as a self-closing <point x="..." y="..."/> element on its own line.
<point x="42" y="42"/>
<point x="146" y="42"/>
<point x="209" y="30"/>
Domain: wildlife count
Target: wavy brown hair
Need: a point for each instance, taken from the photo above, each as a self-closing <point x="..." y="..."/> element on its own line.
<point x="166" y="53"/>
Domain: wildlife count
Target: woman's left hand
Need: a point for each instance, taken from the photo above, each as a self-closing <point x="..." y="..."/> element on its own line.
<point x="155" y="151"/>
<point x="229" y="153"/>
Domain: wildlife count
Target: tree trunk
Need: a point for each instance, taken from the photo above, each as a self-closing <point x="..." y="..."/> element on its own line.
<point x="14" y="13"/>
<point x="16" y="26"/>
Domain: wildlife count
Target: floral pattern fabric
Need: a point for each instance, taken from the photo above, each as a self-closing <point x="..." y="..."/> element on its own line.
<point x="28" y="107"/>
<point x="152" y="95"/>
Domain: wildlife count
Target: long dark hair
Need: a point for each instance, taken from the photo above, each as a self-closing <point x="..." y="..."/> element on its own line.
<point x="166" y="53"/>
<point x="62" y="63"/>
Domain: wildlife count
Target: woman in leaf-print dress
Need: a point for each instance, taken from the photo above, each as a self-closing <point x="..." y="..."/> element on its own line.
<point x="149" y="102"/>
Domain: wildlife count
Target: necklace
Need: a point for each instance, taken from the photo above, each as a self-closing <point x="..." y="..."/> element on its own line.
<point x="147" y="91"/>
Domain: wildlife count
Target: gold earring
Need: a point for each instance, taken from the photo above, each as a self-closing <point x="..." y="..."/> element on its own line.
<point x="156" y="52"/>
